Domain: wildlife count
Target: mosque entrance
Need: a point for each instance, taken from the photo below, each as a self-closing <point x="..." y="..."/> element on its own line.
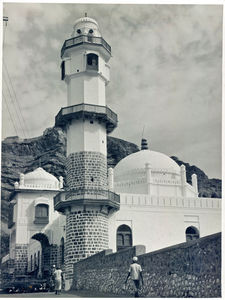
<point x="39" y="264"/>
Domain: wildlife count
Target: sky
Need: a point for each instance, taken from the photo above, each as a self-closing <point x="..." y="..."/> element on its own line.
<point x="166" y="73"/>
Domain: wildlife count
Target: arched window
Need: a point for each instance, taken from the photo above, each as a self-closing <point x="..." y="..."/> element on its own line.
<point x="192" y="233"/>
<point x="62" y="250"/>
<point x="63" y="70"/>
<point x="41" y="214"/>
<point x="92" y="61"/>
<point x="124" y="237"/>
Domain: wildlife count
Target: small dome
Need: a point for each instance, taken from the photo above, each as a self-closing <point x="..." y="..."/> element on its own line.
<point x="39" y="178"/>
<point x="86" y="26"/>
<point x="85" y="20"/>
<point x="139" y="159"/>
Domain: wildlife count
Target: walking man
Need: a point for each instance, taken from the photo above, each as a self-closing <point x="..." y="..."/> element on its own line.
<point x="135" y="273"/>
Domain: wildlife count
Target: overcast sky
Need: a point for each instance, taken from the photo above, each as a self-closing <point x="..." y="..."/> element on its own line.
<point x="165" y="73"/>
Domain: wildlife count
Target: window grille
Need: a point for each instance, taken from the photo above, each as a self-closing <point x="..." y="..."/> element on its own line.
<point x="124" y="237"/>
<point x="41" y="214"/>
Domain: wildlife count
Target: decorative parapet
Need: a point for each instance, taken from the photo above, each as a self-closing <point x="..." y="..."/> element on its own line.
<point x="142" y="172"/>
<point x="141" y="180"/>
<point x="174" y="202"/>
<point x="39" y="186"/>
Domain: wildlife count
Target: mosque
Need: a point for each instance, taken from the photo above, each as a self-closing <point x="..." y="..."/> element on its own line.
<point x="144" y="200"/>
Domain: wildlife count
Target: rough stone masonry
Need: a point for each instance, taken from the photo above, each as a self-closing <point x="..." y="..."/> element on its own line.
<point x="190" y="269"/>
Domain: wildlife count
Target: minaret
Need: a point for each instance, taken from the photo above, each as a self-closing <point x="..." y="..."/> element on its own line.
<point x="87" y="202"/>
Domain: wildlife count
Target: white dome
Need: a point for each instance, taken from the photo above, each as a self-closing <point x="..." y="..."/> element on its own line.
<point x="85" y="20"/>
<point x="148" y="172"/>
<point x="86" y="26"/>
<point x="39" y="178"/>
<point x="139" y="159"/>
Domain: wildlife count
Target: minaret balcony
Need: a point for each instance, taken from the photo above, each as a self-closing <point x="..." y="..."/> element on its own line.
<point x="104" y="198"/>
<point x="89" y="111"/>
<point x="84" y="39"/>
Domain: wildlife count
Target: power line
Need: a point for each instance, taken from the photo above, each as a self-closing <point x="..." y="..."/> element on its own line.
<point x="10" y="113"/>
<point x="15" y="96"/>
<point x="10" y="95"/>
<point x="20" y="115"/>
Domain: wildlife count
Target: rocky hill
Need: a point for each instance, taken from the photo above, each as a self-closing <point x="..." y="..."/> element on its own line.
<point x="206" y="187"/>
<point x="49" y="151"/>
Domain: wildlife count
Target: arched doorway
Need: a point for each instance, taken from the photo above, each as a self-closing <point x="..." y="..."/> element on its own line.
<point x="123" y="237"/>
<point x="191" y="233"/>
<point x="40" y="256"/>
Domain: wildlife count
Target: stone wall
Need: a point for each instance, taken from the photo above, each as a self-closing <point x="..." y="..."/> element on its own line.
<point x="190" y="269"/>
<point x="86" y="170"/>
<point x="20" y="259"/>
<point x="86" y="234"/>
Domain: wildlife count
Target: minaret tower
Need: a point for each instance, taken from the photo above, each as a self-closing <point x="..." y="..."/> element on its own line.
<point x="87" y="201"/>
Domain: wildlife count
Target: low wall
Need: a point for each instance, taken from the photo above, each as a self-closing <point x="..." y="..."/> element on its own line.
<point x="190" y="269"/>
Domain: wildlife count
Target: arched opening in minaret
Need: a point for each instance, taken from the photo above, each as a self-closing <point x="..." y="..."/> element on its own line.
<point x="191" y="233"/>
<point x="39" y="256"/>
<point x="123" y="237"/>
<point x="63" y="70"/>
<point x="92" y="61"/>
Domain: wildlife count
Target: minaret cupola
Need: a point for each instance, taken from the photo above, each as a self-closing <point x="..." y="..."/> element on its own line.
<point x="86" y="26"/>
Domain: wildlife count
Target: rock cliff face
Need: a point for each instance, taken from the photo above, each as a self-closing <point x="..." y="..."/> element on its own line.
<point x="207" y="187"/>
<point x="49" y="152"/>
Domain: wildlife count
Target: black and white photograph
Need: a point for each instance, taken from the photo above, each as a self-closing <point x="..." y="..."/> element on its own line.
<point x="111" y="150"/>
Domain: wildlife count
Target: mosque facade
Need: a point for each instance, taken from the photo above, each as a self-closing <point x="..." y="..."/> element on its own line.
<point x="145" y="199"/>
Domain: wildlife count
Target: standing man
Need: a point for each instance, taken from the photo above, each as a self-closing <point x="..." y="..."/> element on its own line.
<point x="135" y="272"/>
<point x="58" y="280"/>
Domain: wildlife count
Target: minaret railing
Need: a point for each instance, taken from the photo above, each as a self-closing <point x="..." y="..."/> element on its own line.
<point x="86" y="194"/>
<point x="96" y="111"/>
<point x="75" y="41"/>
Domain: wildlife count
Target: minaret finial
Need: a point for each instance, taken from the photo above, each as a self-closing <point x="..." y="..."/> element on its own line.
<point x="144" y="144"/>
<point x="85" y="15"/>
<point x="143" y="131"/>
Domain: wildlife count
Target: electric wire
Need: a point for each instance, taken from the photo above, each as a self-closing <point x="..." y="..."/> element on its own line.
<point x="25" y="130"/>
<point x="17" y="108"/>
<point x="11" y="118"/>
<point x="12" y="101"/>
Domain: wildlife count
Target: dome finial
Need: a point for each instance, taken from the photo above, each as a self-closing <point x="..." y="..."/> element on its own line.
<point x="144" y="144"/>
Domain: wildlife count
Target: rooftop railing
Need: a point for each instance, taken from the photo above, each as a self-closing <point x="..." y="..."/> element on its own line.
<point x="84" y="39"/>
